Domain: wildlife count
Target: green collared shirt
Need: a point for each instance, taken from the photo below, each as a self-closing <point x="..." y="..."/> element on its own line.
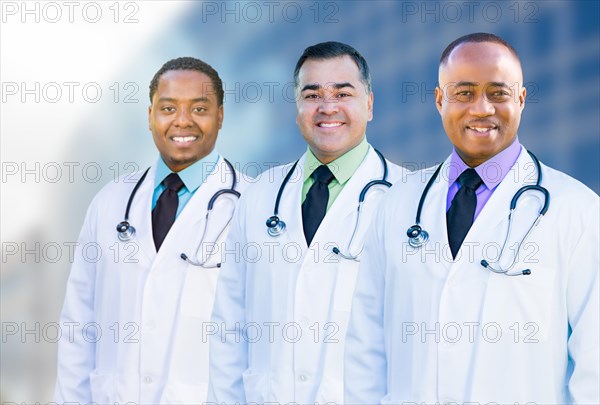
<point x="342" y="168"/>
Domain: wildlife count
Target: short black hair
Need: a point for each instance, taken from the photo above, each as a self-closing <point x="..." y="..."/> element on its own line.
<point x="189" y="63"/>
<point x="477" y="37"/>
<point x="330" y="50"/>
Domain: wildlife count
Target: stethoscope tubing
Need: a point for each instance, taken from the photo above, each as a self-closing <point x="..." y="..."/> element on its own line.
<point x="417" y="236"/>
<point x="126" y="231"/>
<point x="276" y="226"/>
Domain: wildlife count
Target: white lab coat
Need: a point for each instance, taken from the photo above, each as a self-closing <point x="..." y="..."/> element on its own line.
<point x="144" y="310"/>
<point x="426" y="329"/>
<point x="290" y="304"/>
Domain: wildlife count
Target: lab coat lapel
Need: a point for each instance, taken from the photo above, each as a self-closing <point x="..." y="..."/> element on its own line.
<point x="140" y="216"/>
<point x="290" y="206"/>
<point x="433" y="219"/>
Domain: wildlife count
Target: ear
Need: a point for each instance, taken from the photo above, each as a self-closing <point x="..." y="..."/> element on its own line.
<point x="221" y="114"/>
<point x="149" y="119"/>
<point x="439" y="97"/>
<point x="522" y="96"/>
<point x="370" y="106"/>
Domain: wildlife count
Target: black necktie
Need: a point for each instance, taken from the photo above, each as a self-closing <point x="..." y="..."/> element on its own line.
<point x="459" y="217"/>
<point x="315" y="204"/>
<point x="163" y="214"/>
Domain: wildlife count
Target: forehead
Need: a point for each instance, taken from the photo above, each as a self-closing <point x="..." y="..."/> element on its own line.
<point x="185" y="84"/>
<point x="333" y="70"/>
<point x="482" y="62"/>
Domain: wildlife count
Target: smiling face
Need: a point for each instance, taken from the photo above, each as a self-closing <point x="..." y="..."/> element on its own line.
<point x="184" y="117"/>
<point x="480" y="98"/>
<point x="333" y="106"/>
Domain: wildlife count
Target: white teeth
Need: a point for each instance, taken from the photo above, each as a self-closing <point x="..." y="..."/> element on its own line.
<point x="183" y="139"/>
<point x="330" y="124"/>
<point x="481" y="129"/>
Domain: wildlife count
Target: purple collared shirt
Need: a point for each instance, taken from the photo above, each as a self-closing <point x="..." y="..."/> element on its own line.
<point x="492" y="172"/>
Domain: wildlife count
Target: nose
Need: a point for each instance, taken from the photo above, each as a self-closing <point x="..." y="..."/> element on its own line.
<point x="183" y="118"/>
<point x="328" y="105"/>
<point x="482" y="107"/>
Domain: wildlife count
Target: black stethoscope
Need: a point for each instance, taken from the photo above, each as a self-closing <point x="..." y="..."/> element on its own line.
<point x="126" y="231"/>
<point x="276" y="226"/>
<point x="418" y="237"/>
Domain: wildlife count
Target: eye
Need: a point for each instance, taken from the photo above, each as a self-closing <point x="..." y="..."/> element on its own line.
<point x="311" y="96"/>
<point x="168" y="109"/>
<point x="199" y="109"/>
<point x="499" y="95"/>
<point x="464" y="93"/>
<point x="342" y="95"/>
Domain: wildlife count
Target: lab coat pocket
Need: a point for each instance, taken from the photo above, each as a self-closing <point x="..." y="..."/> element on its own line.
<point x="198" y="292"/>
<point x="103" y="387"/>
<point x="344" y="287"/>
<point x="179" y="393"/>
<point x="256" y="387"/>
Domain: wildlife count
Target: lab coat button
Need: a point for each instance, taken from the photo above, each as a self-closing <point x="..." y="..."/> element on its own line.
<point x="302" y="377"/>
<point x="148" y="380"/>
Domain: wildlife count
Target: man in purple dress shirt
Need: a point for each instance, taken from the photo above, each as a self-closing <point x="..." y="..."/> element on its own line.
<point x="474" y="315"/>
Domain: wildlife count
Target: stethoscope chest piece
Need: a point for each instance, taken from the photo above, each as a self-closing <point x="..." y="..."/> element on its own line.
<point x="126" y="232"/>
<point x="417" y="236"/>
<point x="275" y="226"/>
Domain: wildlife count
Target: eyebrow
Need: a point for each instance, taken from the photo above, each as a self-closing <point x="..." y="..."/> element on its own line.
<point x="194" y="100"/>
<point x="466" y="84"/>
<point x="498" y="84"/>
<point x="336" y="86"/>
<point x="475" y="84"/>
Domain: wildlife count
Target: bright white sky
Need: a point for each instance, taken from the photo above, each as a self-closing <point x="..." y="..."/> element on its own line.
<point x="44" y="52"/>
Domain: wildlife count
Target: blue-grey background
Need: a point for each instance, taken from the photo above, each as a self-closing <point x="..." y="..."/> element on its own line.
<point x="254" y="46"/>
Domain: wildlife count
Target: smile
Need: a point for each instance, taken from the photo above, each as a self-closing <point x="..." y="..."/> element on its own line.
<point x="330" y="124"/>
<point x="184" y="139"/>
<point x="482" y="130"/>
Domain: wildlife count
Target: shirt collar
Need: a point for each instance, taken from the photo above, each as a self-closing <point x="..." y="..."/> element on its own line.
<point x="492" y="171"/>
<point x="343" y="167"/>
<point x="193" y="175"/>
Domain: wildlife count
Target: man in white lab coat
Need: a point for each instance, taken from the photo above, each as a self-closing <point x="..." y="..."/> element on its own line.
<point x="459" y="319"/>
<point x="134" y="309"/>
<point x="284" y="293"/>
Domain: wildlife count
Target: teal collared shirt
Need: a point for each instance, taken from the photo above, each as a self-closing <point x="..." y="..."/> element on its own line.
<point x="342" y="168"/>
<point x="192" y="176"/>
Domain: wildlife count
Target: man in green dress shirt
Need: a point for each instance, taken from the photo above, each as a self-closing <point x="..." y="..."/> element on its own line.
<point x="284" y="294"/>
